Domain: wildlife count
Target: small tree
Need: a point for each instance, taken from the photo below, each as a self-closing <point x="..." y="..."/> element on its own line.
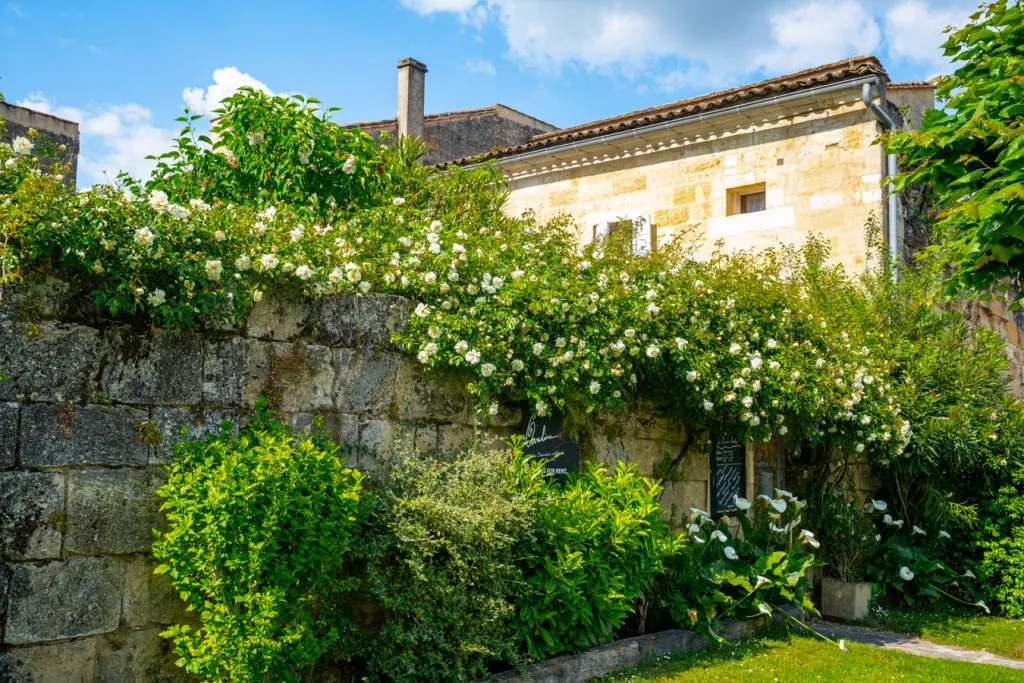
<point x="971" y="152"/>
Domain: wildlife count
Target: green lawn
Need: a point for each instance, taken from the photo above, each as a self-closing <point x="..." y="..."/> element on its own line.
<point x="780" y="656"/>
<point x="951" y="626"/>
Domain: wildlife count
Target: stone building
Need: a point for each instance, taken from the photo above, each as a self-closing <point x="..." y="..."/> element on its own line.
<point x="59" y="133"/>
<point x="752" y="167"/>
<point x="455" y="134"/>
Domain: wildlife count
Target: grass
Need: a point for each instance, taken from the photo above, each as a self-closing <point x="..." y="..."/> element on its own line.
<point x="780" y="656"/>
<point x="964" y="628"/>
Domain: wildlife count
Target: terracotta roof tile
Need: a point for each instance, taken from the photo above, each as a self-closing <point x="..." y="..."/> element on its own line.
<point x="808" y="78"/>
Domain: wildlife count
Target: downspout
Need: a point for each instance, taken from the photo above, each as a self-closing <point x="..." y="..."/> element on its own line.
<point x="892" y="220"/>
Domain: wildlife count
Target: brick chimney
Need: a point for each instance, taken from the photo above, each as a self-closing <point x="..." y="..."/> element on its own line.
<point x="411" y="77"/>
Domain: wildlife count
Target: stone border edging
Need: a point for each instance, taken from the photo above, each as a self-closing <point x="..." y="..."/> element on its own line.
<point x="626" y="654"/>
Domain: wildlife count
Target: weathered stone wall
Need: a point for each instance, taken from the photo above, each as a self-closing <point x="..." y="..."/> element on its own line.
<point x="60" y="133"/>
<point x="88" y="414"/>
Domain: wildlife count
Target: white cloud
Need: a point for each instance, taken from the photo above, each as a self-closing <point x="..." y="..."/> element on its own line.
<point x="676" y="44"/>
<point x="226" y="81"/>
<point x="433" y="6"/>
<point x="915" y="31"/>
<point x="483" y="67"/>
<point x="819" y="32"/>
<point x="115" y="138"/>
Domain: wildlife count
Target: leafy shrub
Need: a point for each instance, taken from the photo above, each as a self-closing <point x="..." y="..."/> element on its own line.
<point x="443" y="550"/>
<point x="722" y="574"/>
<point x="1001" y="540"/>
<point x="846" y="533"/>
<point x="259" y="526"/>
<point x="601" y="540"/>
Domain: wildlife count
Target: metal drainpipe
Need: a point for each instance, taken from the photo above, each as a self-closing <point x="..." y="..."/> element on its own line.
<point x="892" y="222"/>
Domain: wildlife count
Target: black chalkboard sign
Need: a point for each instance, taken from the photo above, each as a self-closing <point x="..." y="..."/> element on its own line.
<point x="546" y="439"/>
<point x="728" y="474"/>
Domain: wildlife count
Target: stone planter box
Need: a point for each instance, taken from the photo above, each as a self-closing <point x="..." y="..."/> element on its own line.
<point x="842" y="600"/>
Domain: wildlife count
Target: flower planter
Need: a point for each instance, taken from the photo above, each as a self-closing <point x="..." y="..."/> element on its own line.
<point x="842" y="600"/>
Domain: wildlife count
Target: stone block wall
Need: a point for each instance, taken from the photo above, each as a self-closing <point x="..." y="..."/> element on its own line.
<point x="89" y="412"/>
<point x="60" y="133"/>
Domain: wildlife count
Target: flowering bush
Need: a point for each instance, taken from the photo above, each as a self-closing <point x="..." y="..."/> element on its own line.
<point x="722" y="574"/>
<point x="510" y="300"/>
<point x="906" y="562"/>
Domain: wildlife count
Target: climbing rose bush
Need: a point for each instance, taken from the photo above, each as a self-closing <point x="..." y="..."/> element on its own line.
<point x="512" y="302"/>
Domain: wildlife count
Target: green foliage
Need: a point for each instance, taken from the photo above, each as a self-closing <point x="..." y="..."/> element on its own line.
<point x="600" y="542"/>
<point x="970" y="151"/>
<point x="721" y="574"/>
<point x="847" y="535"/>
<point x="443" y="551"/>
<point x="259" y="526"/>
<point x="911" y="562"/>
<point x="265" y="150"/>
<point x="1001" y="540"/>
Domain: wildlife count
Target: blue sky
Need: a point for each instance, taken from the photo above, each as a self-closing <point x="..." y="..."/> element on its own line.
<point x="125" y="69"/>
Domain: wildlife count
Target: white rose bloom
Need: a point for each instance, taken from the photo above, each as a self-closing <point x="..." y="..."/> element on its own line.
<point x="349" y="167"/>
<point x="177" y="212"/>
<point x="297" y="232"/>
<point x="144" y="237"/>
<point x="430" y="278"/>
<point x="158" y="200"/>
<point x="472" y="356"/>
<point x="538" y="348"/>
<point x="199" y="205"/>
<point x="708" y="406"/>
<point x="653" y="351"/>
<point x="214" y="268"/>
<point x="734" y="349"/>
<point x="364" y="286"/>
<point x="398" y="201"/>
<point x="595" y="386"/>
<point x="269" y="261"/>
<point x="303" y="272"/>
<point x="783" y="430"/>
<point x="156" y="297"/>
<point x="22" y="146"/>
<point x="422" y="310"/>
<point x="691" y="375"/>
<point x="461" y="347"/>
<point x="487" y="369"/>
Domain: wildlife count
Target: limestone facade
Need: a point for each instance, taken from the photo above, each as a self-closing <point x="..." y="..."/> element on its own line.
<point x="816" y="159"/>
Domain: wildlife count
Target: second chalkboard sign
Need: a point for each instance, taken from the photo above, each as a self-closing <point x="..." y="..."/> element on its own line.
<point x="546" y="439"/>
<point x="728" y="474"/>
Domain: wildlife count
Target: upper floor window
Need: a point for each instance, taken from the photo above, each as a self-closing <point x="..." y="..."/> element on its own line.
<point x="636" y="222"/>
<point x="746" y="199"/>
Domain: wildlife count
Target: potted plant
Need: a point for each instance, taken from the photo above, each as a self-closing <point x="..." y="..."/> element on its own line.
<point x="848" y="543"/>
